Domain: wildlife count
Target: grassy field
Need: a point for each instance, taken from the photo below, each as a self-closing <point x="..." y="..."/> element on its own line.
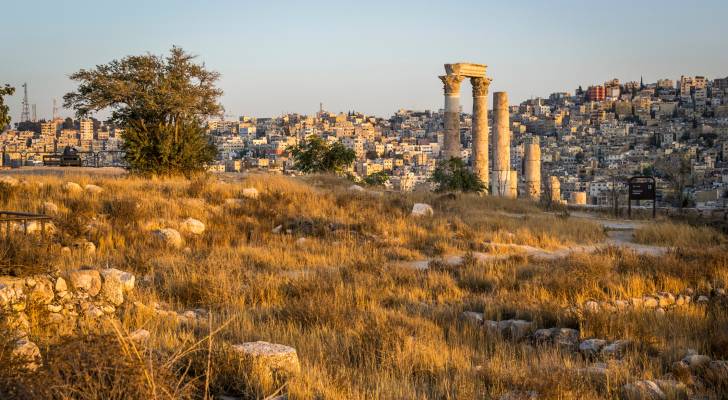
<point x="364" y="326"/>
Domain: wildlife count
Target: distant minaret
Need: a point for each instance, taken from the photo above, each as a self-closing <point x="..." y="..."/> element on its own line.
<point x="642" y="83"/>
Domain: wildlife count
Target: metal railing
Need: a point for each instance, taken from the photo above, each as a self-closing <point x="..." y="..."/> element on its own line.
<point x="7" y="218"/>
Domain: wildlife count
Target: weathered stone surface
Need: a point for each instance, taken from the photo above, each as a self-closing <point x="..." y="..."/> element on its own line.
<point x="93" y="189"/>
<point x="86" y="281"/>
<point x="275" y="359"/>
<point x="356" y="188"/>
<point x="169" y="237"/>
<point x="250" y="193"/>
<point x="566" y="338"/>
<point x="193" y="226"/>
<point x="591" y="306"/>
<point x="422" y="210"/>
<point x="474" y="318"/>
<point x="115" y="284"/>
<point x="49" y="208"/>
<point x="703" y="299"/>
<point x="28" y="354"/>
<point x="139" y="335"/>
<point x="12" y="290"/>
<point x="519" y="329"/>
<point x="42" y="292"/>
<point x="592" y="346"/>
<point x="616" y="348"/>
<point x="72" y="187"/>
<point x="642" y="390"/>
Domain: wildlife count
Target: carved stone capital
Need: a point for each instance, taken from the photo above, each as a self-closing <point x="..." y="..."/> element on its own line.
<point x="480" y="86"/>
<point x="451" y="83"/>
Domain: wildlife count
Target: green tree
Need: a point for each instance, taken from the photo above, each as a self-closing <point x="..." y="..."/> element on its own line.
<point x="453" y="175"/>
<point x="377" y="179"/>
<point x="4" y="110"/>
<point x="315" y="155"/>
<point x="160" y="102"/>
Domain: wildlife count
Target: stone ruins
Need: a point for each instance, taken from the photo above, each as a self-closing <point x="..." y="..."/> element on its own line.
<point x="504" y="180"/>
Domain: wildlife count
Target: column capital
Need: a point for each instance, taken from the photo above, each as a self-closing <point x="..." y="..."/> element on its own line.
<point x="480" y="86"/>
<point x="451" y="83"/>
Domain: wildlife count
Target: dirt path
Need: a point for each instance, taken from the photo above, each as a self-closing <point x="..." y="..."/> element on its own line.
<point x="619" y="234"/>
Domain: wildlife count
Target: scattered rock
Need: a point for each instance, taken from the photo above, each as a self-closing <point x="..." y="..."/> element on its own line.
<point x="86" y="281"/>
<point x="694" y="361"/>
<point x="473" y="317"/>
<point x="276" y="360"/>
<point x="592" y="346"/>
<point x="703" y="299"/>
<point x="28" y="354"/>
<point x="277" y="229"/>
<point x="169" y="237"/>
<point x="42" y="291"/>
<point x="193" y="226"/>
<point x="139" y="335"/>
<point x="250" y="193"/>
<point x="591" y="306"/>
<point x="72" y="187"/>
<point x="93" y="189"/>
<point x="642" y="390"/>
<point x="650" y="302"/>
<point x="616" y="349"/>
<point x="422" y="210"/>
<point x="115" y="284"/>
<point x="356" y="188"/>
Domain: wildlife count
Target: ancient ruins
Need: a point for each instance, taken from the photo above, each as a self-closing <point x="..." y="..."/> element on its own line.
<point x="504" y="181"/>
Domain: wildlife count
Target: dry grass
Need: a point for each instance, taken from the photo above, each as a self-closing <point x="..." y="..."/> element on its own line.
<point x="683" y="235"/>
<point x="364" y="327"/>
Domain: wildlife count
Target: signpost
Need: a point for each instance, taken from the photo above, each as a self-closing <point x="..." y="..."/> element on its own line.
<point x="642" y="188"/>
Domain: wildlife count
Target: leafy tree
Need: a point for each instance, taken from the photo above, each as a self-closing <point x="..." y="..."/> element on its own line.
<point x="453" y="175"/>
<point x="315" y="155"/>
<point x="4" y="110"/>
<point x="377" y="179"/>
<point x="160" y="103"/>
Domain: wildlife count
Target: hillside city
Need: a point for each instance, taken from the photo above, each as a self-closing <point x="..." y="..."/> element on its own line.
<point x="592" y="140"/>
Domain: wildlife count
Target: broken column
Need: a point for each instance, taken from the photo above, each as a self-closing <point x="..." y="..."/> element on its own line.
<point x="555" y="187"/>
<point x="578" y="198"/>
<point x="532" y="168"/>
<point x="502" y="141"/>
<point x="512" y="190"/>
<point x="480" y="128"/>
<point x="451" y="84"/>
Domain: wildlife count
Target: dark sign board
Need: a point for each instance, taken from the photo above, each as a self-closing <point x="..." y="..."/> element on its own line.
<point x="642" y="190"/>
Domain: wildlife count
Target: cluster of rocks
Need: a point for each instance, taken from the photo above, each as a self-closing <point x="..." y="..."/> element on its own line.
<point x="183" y="317"/>
<point x="660" y="302"/>
<point x="72" y="300"/>
<point x="73" y="187"/>
<point x="173" y="238"/>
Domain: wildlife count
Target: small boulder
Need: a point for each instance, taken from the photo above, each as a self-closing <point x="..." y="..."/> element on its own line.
<point x="72" y="187"/>
<point x="42" y="292"/>
<point x="703" y="299"/>
<point x="250" y="193"/>
<point x="139" y="335"/>
<point x="116" y="283"/>
<point x="193" y="226"/>
<point x="519" y="329"/>
<point x="169" y="237"/>
<point x="642" y="390"/>
<point x="93" y="189"/>
<point x="592" y="347"/>
<point x="694" y="361"/>
<point x="472" y="317"/>
<point x="616" y="349"/>
<point x="28" y="354"/>
<point x="356" y="188"/>
<point x="591" y="306"/>
<point x="277" y="361"/>
<point x="650" y="302"/>
<point x="422" y="210"/>
<point x="566" y="338"/>
<point x="86" y="281"/>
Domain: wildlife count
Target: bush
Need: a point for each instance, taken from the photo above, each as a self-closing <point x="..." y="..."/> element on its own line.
<point x="314" y="155"/>
<point x="453" y="175"/>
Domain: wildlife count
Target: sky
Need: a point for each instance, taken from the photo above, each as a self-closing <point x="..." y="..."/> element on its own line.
<point x="370" y="56"/>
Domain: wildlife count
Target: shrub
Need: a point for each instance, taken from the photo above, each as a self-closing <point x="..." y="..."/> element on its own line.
<point x="314" y="155"/>
<point x="453" y="175"/>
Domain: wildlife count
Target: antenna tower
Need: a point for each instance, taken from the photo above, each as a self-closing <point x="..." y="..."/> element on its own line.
<point x="25" y="115"/>
<point x="55" y="109"/>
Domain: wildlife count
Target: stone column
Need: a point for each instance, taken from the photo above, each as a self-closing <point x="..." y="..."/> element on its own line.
<point x="502" y="142"/>
<point x="451" y="85"/>
<point x="512" y="190"/>
<point x="532" y="168"/>
<point x="555" y="189"/>
<point x="480" y="128"/>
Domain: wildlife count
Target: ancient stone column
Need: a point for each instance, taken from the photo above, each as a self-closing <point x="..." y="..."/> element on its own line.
<point x="512" y="190"/>
<point x="532" y="168"/>
<point x="451" y="85"/>
<point x="555" y="186"/>
<point x="578" y="198"/>
<point x="502" y="141"/>
<point x="480" y="128"/>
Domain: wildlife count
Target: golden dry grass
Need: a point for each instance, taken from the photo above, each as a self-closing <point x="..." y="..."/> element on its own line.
<point x="364" y="327"/>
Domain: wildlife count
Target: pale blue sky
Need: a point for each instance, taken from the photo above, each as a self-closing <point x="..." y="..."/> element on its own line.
<point x="372" y="56"/>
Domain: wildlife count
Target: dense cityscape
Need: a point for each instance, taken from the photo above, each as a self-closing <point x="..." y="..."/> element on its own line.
<point x="592" y="139"/>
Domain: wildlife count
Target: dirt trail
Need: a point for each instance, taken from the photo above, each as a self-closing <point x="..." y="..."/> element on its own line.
<point x="619" y="234"/>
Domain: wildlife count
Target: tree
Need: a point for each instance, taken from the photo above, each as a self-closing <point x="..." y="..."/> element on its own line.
<point x="677" y="171"/>
<point x="160" y="103"/>
<point x="315" y="155"/>
<point x="377" y="179"/>
<point x="4" y="110"/>
<point x="453" y="175"/>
